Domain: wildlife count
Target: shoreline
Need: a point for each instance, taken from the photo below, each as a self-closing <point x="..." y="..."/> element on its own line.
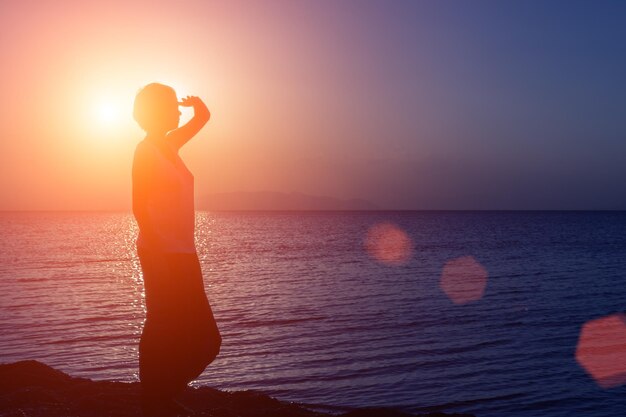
<point x="32" y="389"/>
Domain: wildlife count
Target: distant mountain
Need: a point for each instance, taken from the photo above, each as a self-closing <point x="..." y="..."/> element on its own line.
<point x="268" y="200"/>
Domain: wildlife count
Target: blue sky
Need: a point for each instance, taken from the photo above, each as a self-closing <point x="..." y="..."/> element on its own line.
<point x="516" y="105"/>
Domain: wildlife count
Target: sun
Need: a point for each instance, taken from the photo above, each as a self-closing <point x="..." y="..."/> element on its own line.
<point x="106" y="112"/>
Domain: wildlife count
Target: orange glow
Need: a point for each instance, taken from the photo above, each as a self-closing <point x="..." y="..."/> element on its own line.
<point x="282" y="101"/>
<point x="601" y="350"/>
<point x="388" y="244"/>
<point x="463" y="280"/>
<point x="72" y="91"/>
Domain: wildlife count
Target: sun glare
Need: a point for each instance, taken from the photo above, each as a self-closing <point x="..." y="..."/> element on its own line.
<point x="106" y="112"/>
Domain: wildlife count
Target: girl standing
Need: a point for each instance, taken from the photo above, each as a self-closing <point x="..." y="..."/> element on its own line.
<point x="180" y="336"/>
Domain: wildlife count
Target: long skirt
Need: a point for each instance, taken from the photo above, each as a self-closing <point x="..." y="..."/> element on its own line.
<point x="180" y="336"/>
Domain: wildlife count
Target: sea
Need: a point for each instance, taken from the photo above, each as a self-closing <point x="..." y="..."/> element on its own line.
<point x="489" y="313"/>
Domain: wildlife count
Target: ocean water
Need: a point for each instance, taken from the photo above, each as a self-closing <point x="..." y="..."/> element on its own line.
<point x="309" y="314"/>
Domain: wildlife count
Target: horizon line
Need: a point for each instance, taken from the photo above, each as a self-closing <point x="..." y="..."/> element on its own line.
<point x="129" y="211"/>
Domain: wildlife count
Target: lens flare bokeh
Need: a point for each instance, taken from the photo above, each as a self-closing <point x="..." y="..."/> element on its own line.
<point x="601" y="350"/>
<point x="463" y="280"/>
<point x="388" y="244"/>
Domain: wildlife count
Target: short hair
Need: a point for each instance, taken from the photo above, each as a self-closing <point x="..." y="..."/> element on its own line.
<point x="152" y="104"/>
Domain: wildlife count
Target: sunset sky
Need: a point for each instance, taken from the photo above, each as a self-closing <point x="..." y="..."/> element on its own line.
<point x="408" y="104"/>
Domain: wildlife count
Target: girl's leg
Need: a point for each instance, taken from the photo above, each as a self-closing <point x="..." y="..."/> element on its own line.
<point x="180" y="336"/>
<point x="201" y="335"/>
<point x="158" y="373"/>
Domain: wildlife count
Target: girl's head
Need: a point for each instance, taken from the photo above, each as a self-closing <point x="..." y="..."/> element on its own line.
<point x="156" y="108"/>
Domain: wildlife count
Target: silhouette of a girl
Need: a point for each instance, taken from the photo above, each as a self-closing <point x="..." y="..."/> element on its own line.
<point x="180" y="336"/>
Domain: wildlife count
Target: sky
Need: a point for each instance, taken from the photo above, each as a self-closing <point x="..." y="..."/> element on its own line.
<point x="408" y="104"/>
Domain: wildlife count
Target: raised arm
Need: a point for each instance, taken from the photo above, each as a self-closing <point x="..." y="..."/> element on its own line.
<point x="178" y="137"/>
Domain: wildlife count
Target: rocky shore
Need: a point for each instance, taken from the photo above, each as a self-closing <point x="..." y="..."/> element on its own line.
<point x="33" y="389"/>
